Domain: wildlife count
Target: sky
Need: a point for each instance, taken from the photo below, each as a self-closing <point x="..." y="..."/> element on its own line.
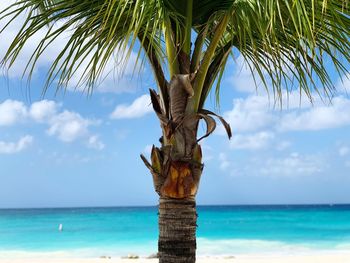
<point x="68" y="149"/>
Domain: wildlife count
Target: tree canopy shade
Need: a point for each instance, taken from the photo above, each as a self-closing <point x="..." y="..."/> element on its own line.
<point x="287" y="43"/>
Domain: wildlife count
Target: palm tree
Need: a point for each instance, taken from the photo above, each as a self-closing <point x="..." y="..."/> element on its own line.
<point x="288" y="44"/>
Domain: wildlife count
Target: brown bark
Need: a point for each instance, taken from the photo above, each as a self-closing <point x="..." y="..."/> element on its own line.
<point x="177" y="230"/>
<point x="176" y="169"/>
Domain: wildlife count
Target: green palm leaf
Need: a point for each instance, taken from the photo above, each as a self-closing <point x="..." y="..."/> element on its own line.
<point x="288" y="43"/>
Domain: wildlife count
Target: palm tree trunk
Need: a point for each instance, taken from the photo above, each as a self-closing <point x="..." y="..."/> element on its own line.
<point x="176" y="168"/>
<point x="177" y="230"/>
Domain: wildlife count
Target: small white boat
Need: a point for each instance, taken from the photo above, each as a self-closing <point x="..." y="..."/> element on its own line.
<point x="60" y="227"/>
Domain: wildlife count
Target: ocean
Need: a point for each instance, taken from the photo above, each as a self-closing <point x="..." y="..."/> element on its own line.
<point x="222" y="230"/>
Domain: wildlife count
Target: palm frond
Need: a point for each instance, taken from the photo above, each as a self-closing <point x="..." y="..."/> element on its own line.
<point x="293" y="43"/>
<point x="99" y="29"/>
<point x="287" y="43"/>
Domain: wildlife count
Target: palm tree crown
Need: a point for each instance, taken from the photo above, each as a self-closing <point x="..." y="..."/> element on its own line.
<point x="286" y="42"/>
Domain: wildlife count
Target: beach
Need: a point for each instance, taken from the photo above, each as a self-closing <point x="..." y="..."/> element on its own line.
<point x="240" y="234"/>
<point x="330" y="257"/>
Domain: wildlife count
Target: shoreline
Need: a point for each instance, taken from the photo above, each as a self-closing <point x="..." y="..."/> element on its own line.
<point x="206" y="253"/>
<point x="324" y="257"/>
<point x="58" y="255"/>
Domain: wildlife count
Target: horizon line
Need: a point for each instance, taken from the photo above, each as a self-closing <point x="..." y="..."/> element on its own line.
<point x="149" y="206"/>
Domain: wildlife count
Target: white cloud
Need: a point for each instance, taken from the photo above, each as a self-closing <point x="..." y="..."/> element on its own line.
<point x="344" y="150"/>
<point x="318" y="117"/>
<point x="283" y="145"/>
<point x="69" y="126"/>
<point x="11" y="112"/>
<point x="243" y="75"/>
<point x="95" y="143"/>
<point x="110" y="81"/>
<point x="207" y="152"/>
<point x="23" y="57"/>
<point x="251" y="117"/>
<point x="255" y="141"/>
<point x="256" y="113"/>
<point x="115" y="78"/>
<point x="138" y="108"/>
<point x="293" y="165"/>
<point x="242" y="78"/>
<point x="343" y="84"/>
<point x="250" y="114"/>
<point x="296" y="101"/>
<point x="15" y="147"/>
<point x="43" y="110"/>
<point x="224" y="163"/>
<point x="265" y="165"/>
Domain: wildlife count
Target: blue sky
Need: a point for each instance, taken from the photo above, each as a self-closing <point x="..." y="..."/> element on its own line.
<point x="69" y="149"/>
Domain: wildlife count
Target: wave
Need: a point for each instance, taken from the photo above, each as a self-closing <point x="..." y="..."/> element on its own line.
<point x="87" y="252"/>
<point x="254" y="246"/>
<point x="205" y="247"/>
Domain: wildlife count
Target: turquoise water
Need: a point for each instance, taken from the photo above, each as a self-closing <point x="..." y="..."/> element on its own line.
<point x="222" y="230"/>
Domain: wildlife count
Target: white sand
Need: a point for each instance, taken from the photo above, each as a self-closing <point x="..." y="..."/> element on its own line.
<point x="330" y="257"/>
